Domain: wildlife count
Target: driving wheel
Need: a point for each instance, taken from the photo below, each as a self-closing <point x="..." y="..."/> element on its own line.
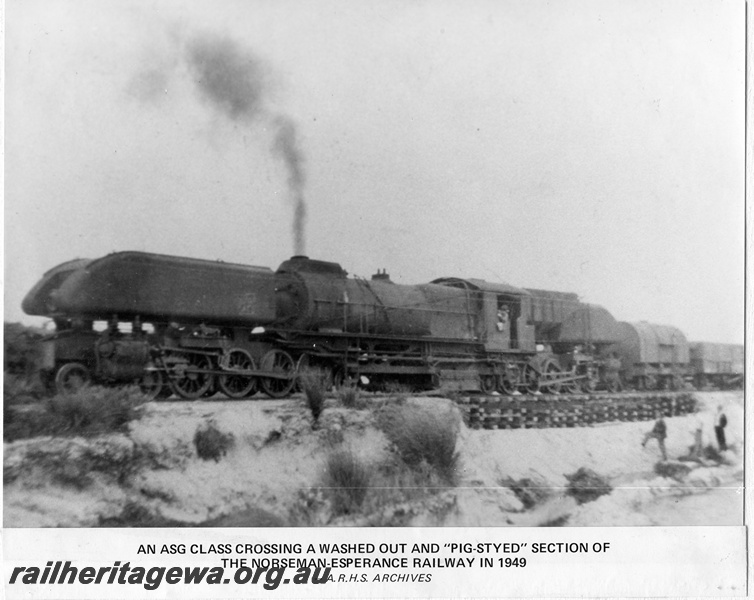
<point x="194" y="379"/>
<point x="235" y="385"/>
<point x="280" y="362"/>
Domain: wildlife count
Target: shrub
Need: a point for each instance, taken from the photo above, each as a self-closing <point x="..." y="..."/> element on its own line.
<point x="20" y="348"/>
<point x="398" y="389"/>
<point x="672" y="470"/>
<point x="421" y="436"/>
<point x="251" y="516"/>
<point x="449" y="393"/>
<point x="22" y="422"/>
<point x="712" y="453"/>
<point x="348" y="396"/>
<point x="87" y="412"/>
<point x="136" y="515"/>
<point x="346" y="480"/>
<point x="585" y="485"/>
<point x="21" y="389"/>
<point x="527" y="490"/>
<point x="559" y="521"/>
<point x="211" y="443"/>
<point x="313" y="383"/>
<point x="95" y="410"/>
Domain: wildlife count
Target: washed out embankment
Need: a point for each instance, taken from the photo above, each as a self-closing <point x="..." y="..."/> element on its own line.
<point x="273" y="472"/>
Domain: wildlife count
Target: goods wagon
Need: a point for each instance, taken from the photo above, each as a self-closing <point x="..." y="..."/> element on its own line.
<point x="652" y="356"/>
<point x="716" y="365"/>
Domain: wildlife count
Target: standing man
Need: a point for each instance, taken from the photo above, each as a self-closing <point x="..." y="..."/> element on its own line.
<point x="720" y="422"/>
<point x="698" y="447"/>
<point x="659" y="432"/>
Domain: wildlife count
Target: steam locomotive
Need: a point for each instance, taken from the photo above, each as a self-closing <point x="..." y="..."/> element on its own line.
<point x="192" y="327"/>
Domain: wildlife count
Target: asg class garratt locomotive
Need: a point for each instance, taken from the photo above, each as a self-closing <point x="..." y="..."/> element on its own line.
<point x="194" y="327"/>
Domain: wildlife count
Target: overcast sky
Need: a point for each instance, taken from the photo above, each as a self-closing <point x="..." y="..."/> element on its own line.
<point x="592" y="147"/>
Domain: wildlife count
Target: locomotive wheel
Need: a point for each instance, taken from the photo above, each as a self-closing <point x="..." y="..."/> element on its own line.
<point x="151" y="384"/>
<point x="531" y="377"/>
<point x="192" y="384"/>
<point x="281" y="362"/>
<point x="570" y="387"/>
<point x="72" y="377"/>
<point x="302" y="366"/>
<point x="589" y="384"/>
<point x="238" y="386"/>
<point x="551" y="368"/>
<point x="487" y="383"/>
<point x="505" y="385"/>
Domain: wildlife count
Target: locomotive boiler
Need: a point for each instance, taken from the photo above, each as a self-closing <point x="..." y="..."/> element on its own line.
<point x="193" y="327"/>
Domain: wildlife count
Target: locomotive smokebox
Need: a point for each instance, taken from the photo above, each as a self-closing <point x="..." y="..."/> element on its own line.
<point x="317" y="295"/>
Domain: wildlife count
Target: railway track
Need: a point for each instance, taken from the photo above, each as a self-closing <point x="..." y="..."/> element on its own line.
<point x="551" y="410"/>
<point x="548" y="411"/>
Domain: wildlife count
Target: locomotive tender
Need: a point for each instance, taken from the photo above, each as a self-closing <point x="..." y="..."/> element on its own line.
<point x="193" y="327"/>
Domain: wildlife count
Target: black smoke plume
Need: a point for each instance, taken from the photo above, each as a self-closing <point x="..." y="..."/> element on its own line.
<point x="232" y="80"/>
<point x="286" y="146"/>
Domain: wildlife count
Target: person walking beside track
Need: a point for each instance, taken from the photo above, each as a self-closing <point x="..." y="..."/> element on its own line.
<point x="659" y="432"/>
<point x="720" y="422"/>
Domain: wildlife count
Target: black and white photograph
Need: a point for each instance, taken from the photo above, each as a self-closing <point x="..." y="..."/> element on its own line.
<point x="367" y="263"/>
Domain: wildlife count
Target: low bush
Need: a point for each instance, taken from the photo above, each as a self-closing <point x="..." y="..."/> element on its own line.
<point x="712" y="453"/>
<point x="23" y="422"/>
<point x="399" y="390"/>
<point x="348" y="396"/>
<point x="20" y="356"/>
<point x="423" y="437"/>
<point x="449" y="393"/>
<point x="346" y="481"/>
<point x="672" y="470"/>
<point x="136" y="515"/>
<point x="211" y="443"/>
<point x="313" y="383"/>
<point x="559" y="521"/>
<point x="527" y="490"/>
<point x="87" y="412"/>
<point x="94" y="410"/>
<point x="22" y="389"/>
<point x="383" y="493"/>
<point x="585" y="485"/>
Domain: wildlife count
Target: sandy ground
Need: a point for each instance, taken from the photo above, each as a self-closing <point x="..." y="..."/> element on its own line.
<point x="277" y="461"/>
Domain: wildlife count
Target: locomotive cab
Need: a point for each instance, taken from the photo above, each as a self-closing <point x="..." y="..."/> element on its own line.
<point x="502" y="325"/>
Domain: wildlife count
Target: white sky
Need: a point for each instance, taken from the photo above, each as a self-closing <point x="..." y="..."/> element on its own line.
<point x="591" y="147"/>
